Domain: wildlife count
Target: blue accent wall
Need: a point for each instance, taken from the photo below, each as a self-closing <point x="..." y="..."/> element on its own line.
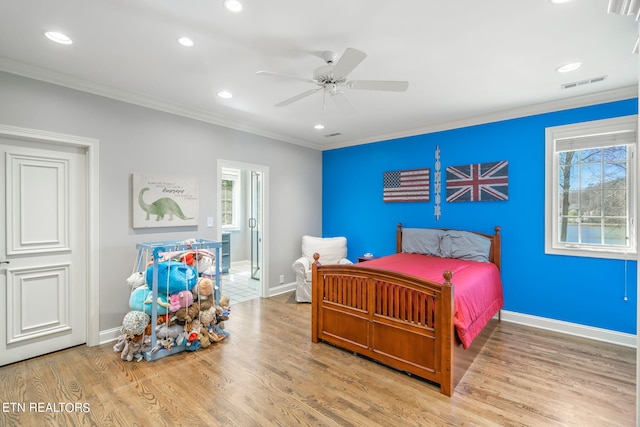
<point x="587" y="291"/>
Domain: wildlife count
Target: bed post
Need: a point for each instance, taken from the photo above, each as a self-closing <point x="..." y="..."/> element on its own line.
<point x="399" y="238"/>
<point x="496" y="249"/>
<point x="447" y="335"/>
<point x="316" y="297"/>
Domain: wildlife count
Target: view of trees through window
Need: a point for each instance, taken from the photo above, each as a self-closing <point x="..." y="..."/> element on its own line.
<point x="593" y="196"/>
<point x="226" y="201"/>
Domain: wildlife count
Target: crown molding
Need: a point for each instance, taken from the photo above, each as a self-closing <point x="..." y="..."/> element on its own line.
<point x="72" y="82"/>
<point x="76" y="83"/>
<point x="628" y="92"/>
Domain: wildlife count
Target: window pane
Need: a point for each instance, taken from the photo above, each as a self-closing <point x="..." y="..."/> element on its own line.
<point x="591" y="203"/>
<point x="591" y="175"/>
<point x="615" y="232"/>
<point x="615" y="203"/>
<point x="615" y="175"/>
<point x="567" y="157"/>
<point x="591" y="233"/>
<point x="591" y="155"/>
<point x="568" y="230"/>
<point x="615" y="154"/>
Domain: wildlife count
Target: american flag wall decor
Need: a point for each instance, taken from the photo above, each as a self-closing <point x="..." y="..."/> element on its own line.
<point x="478" y="182"/>
<point x="406" y="186"/>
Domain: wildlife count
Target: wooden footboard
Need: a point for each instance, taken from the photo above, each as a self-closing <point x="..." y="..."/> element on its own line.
<point x="395" y="319"/>
<point x="390" y="317"/>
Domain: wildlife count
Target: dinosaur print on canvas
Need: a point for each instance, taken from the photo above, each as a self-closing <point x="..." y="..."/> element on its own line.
<point x="161" y="207"/>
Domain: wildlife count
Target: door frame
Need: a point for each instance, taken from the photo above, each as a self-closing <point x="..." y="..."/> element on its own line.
<point x="264" y="170"/>
<point x="92" y="189"/>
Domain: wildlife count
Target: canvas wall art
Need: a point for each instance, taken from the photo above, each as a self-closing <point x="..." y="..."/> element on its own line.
<point x="164" y="201"/>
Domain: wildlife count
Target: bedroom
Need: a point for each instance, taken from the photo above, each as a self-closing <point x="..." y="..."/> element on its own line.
<point x="133" y="138"/>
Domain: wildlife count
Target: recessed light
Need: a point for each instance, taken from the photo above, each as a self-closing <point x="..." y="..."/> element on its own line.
<point x="233" y="5"/>
<point x="569" y="67"/>
<point x="319" y="126"/>
<point x="185" y="41"/>
<point x="225" y="94"/>
<point x="58" y="37"/>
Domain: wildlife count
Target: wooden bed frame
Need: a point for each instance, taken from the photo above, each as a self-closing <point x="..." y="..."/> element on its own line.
<point x="394" y="318"/>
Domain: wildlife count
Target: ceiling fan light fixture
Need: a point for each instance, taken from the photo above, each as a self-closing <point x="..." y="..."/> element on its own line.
<point x="569" y="67"/>
<point x="225" y="94"/>
<point x="57" y="37"/>
<point x="185" y="41"/>
<point x="233" y="5"/>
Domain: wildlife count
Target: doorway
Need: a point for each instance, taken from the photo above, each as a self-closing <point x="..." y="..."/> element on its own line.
<point x="242" y="218"/>
<point x="49" y="261"/>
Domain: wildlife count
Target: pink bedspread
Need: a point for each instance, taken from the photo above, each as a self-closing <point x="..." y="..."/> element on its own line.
<point x="477" y="287"/>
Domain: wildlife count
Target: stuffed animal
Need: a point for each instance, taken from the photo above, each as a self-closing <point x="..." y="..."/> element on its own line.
<point x="208" y="316"/>
<point x="186" y="314"/>
<point x="203" y="288"/>
<point x="132" y="349"/>
<point x="136" y="280"/>
<point x="141" y="299"/>
<point x="181" y="299"/>
<point x="134" y="323"/>
<point x="168" y="334"/>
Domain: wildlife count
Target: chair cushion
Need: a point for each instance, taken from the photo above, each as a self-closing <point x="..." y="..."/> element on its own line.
<point x="331" y="249"/>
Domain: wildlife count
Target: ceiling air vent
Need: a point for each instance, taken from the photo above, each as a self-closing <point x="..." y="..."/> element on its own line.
<point x="583" y="82"/>
<point x="329" y="135"/>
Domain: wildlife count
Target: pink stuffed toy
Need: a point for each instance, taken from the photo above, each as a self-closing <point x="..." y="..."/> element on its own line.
<point x="185" y="298"/>
<point x="179" y="300"/>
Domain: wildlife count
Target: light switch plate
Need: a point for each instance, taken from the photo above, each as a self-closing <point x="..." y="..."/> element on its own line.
<point x="210" y="222"/>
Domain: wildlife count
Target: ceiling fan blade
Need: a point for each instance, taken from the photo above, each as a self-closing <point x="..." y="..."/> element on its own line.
<point x="297" y="97"/>
<point x="343" y="102"/>
<point x="286" y="76"/>
<point x="395" y="86"/>
<point x="347" y="62"/>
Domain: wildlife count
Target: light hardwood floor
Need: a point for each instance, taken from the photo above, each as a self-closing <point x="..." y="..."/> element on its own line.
<point x="268" y="373"/>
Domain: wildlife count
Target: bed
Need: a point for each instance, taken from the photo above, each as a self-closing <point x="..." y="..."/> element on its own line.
<point x="401" y="310"/>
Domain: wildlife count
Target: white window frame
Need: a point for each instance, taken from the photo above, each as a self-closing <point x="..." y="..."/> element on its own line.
<point x="231" y="174"/>
<point x="599" y="133"/>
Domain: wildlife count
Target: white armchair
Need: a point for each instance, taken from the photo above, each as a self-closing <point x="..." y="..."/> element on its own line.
<point x="332" y="250"/>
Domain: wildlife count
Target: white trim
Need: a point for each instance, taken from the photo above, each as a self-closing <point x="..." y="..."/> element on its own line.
<point x="496" y="116"/>
<point x="61" y="79"/>
<point x="265" y="212"/>
<point x="93" y="218"/>
<point x="109" y="335"/>
<point x="281" y="289"/>
<point x="598" y="334"/>
<point x="558" y="135"/>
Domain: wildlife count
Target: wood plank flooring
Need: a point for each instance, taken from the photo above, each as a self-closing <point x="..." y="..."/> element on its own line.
<point x="268" y="373"/>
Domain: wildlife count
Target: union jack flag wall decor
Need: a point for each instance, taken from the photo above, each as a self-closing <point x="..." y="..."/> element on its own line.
<point x="478" y="182"/>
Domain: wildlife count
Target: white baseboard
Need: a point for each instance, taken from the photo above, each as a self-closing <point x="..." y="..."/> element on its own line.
<point x="598" y="334"/>
<point x="281" y="289"/>
<point x="109" y="335"/>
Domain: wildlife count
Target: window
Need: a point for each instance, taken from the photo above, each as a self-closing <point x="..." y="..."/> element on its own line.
<point x="230" y="198"/>
<point x="590" y="197"/>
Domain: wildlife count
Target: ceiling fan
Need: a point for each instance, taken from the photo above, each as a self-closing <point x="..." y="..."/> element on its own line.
<point x="332" y="78"/>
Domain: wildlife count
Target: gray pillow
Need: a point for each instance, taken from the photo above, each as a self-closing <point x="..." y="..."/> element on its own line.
<point x="465" y="245"/>
<point x="421" y="241"/>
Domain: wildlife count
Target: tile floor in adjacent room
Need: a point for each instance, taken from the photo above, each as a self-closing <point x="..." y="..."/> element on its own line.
<point x="238" y="285"/>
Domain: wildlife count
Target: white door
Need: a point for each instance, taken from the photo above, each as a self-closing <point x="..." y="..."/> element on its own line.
<point x="43" y="248"/>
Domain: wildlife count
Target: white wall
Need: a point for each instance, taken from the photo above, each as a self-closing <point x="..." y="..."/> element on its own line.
<point x="134" y="139"/>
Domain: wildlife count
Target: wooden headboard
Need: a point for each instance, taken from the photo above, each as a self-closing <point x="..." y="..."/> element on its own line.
<point x="494" y="252"/>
